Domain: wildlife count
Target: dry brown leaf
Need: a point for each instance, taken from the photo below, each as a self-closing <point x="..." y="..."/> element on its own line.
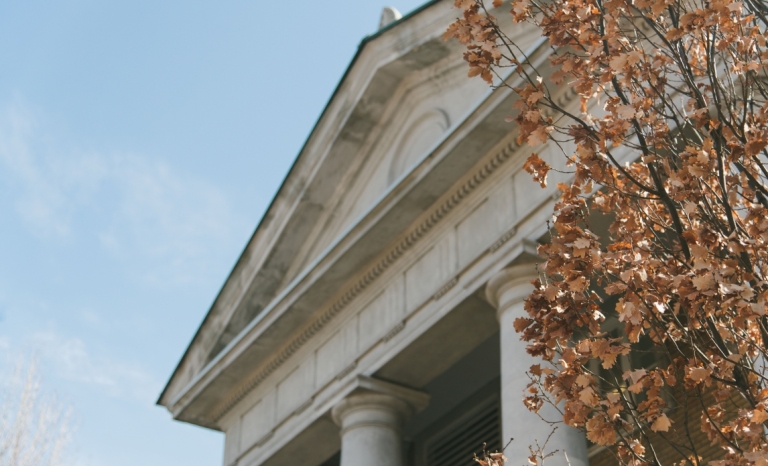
<point x="661" y="424"/>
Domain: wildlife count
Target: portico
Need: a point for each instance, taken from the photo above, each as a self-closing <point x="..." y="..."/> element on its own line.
<point x="369" y="319"/>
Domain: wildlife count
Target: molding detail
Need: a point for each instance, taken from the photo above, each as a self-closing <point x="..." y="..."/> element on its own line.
<point x="303" y="406"/>
<point x="395" y="330"/>
<point x="500" y="242"/>
<point x="405" y="244"/>
<point x="444" y="289"/>
<point x="566" y="97"/>
<point x="264" y="439"/>
<point x="346" y="371"/>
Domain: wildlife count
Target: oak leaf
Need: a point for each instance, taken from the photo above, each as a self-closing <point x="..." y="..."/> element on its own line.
<point x="539" y="135"/>
<point x="582" y="380"/>
<point x="626" y="112"/>
<point x="661" y="424"/>
<point x="537" y="168"/>
<point x="587" y="396"/>
<point x="759" y="416"/>
<point x="520" y="8"/>
<point x="658" y="6"/>
<point x="521" y="323"/>
<point x="698" y="374"/>
<point x="535" y="97"/>
<point x="703" y="282"/>
<point x="600" y="432"/>
<point x="578" y="284"/>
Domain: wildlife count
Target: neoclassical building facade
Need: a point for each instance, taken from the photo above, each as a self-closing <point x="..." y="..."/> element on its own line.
<point x="368" y="321"/>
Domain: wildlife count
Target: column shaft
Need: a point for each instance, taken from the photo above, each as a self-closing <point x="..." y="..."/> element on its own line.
<point x="507" y="291"/>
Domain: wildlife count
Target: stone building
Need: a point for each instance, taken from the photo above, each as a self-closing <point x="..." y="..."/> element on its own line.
<point x="369" y="319"/>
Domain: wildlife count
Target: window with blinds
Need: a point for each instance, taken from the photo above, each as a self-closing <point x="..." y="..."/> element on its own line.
<point x="463" y="438"/>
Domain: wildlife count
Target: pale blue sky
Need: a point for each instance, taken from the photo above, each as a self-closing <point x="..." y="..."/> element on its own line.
<point x="140" y="142"/>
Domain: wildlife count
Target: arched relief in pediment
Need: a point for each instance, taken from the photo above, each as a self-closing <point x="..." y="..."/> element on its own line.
<point x="397" y="151"/>
<point x="419" y="114"/>
<point x="418" y="136"/>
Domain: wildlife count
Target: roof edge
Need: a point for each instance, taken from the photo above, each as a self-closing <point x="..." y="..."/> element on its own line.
<point x="347" y="71"/>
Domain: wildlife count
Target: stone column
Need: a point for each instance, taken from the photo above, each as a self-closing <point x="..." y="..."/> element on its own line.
<point x="507" y="291"/>
<point x="371" y="426"/>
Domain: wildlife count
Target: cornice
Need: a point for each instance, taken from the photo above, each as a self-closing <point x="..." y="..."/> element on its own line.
<point x="406" y="242"/>
<point x="374" y="272"/>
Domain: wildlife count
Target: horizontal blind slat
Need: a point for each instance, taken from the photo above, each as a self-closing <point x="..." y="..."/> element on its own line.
<point x="458" y="446"/>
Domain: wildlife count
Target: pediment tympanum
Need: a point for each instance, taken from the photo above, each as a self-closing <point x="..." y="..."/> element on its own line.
<point x="420" y="117"/>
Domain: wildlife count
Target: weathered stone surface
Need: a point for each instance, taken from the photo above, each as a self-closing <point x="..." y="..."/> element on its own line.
<point x="432" y="270"/>
<point x="406" y="199"/>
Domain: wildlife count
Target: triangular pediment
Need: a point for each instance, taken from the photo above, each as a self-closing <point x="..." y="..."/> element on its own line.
<point x="403" y="96"/>
<point x="423" y="111"/>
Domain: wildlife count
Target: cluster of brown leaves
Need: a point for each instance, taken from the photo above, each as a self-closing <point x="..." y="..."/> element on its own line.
<point x="491" y="459"/>
<point x="477" y="30"/>
<point x="663" y="311"/>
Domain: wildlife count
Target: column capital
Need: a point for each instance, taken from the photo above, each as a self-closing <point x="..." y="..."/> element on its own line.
<point x="380" y="402"/>
<point x="371" y="418"/>
<point x="371" y="409"/>
<point x="511" y="285"/>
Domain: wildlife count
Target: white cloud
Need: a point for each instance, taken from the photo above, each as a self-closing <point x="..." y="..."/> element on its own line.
<point x="40" y="203"/>
<point x="134" y="207"/>
<point x="69" y="359"/>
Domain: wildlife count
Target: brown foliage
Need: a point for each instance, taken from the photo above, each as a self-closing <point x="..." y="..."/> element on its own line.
<point x="670" y="143"/>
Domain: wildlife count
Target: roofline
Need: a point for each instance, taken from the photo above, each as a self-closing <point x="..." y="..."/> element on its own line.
<point x="336" y="90"/>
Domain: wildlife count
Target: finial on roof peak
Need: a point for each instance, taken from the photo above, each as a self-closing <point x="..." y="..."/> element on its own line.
<point x="389" y="15"/>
